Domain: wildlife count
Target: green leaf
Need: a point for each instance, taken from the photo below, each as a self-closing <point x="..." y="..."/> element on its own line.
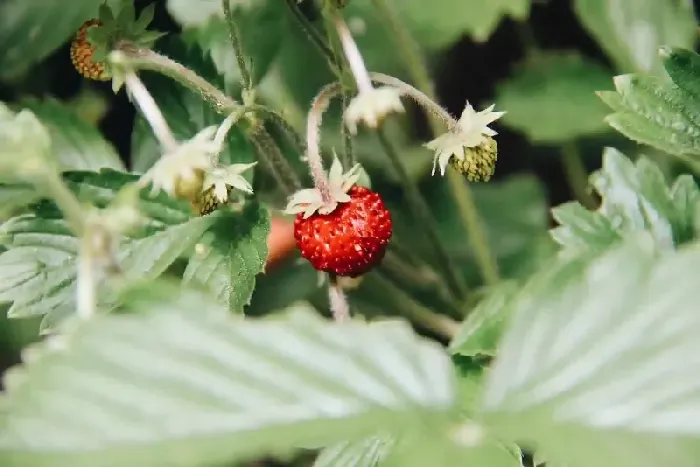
<point x="231" y="256"/>
<point x="38" y="269"/>
<point x="261" y="27"/>
<point x="683" y="66"/>
<point x="31" y="29"/>
<point x="595" y="368"/>
<point x="15" y="196"/>
<point x="185" y="111"/>
<point x="75" y="144"/>
<point x="368" y="452"/>
<point x="631" y="32"/>
<point x="551" y="97"/>
<point x="656" y="112"/>
<point x="227" y="389"/>
<point x="480" y="332"/>
<point x="636" y="198"/>
<point x="440" y="23"/>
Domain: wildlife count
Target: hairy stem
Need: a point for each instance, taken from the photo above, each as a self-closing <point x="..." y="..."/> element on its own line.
<point x="151" y="112"/>
<point x="425" y="219"/>
<point x="55" y="188"/>
<point x="352" y="54"/>
<point x="477" y="234"/>
<point x="271" y="115"/>
<point x="145" y="59"/>
<point x="338" y="301"/>
<point x="349" y="158"/>
<point x="577" y="175"/>
<point x="235" y="38"/>
<point x="86" y="282"/>
<point x="271" y="155"/>
<point x="313" y="137"/>
<point x="312" y="33"/>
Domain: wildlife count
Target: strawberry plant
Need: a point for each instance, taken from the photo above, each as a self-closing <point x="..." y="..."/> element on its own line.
<point x="299" y="252"/>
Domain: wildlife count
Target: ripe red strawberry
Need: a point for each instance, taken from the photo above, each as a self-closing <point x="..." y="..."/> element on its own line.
<point x="351" y="239"/>
<point x="81" y="54"/>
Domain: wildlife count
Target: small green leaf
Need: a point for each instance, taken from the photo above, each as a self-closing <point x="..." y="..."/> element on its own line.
<point x="631" y="32"/>
<point x="480" y="332"/>
<point x="185" y="111"/>
<point x="228" y="389"/>
<point x="38" y="269"/>
<point x="75" y="144"/>
<point x="31" y="29"/>
<point x="232" y="256"/>
<point x="636" y="198"/>
<point x="551" y="97"/>
<point x="595" y="369"/>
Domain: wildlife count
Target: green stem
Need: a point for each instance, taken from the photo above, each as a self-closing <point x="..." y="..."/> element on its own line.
<point x="577" y="175"/>
<point x="312" y="33"/>
<point x="425" y="220"/>
<point x="469" y="216"/>
<point x="145" y="59"/>
<point x="349" y="158"/>
<point x="415" y="312"/>
<point x="271" y="155"/>
<point x="65" y="200"/>
<point x="271" y="115"/>
<point x="461" y="193"/>
<point x="235" y="38"/>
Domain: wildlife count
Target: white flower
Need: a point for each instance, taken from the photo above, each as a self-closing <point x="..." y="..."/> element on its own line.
<point x="180" y="173"/>
<point x="371" y="106"/>
<point x="310" y="200"/>
<point x="471" y="131"/>
<point x="223" y="177"/>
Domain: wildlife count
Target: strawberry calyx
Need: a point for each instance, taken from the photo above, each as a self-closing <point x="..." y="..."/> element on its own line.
<point x="310" y="201"/>
<point x="111" y="29"/>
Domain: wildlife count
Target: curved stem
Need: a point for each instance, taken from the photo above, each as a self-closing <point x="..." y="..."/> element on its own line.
<point x="352" y="54"/>
<point x="146" y="59"/>
<point x="151" y="112"/>
<point x="313" y="137"/>
<point x="427" y="103"/>
<point x="577" y="175"/>
<point x="425" y="219"/>
<point x="235" y="38"/>
<point x="269" y="114"/>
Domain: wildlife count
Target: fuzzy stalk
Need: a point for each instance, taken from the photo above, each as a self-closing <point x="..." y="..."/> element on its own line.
<point x="235" y="38"/>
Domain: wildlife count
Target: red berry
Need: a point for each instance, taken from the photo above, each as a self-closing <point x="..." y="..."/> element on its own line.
<point x="349" y="241"/>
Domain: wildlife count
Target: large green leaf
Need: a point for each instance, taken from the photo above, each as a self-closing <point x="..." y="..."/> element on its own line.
<point x="32" y="29"/>
<point x="38" y="268"/>
<point x="185" y="111"/>
<point x="631" y="32"/>
<point x="657" y="112"/>
<point x="261" y="26"/>
<point x="75" y="144"/>
<point x="368" y="452"/>
<point x="230" y="257"/>
<point x="179" y="381"/>
<point x="636" y="197"/>
<point x="480" y="332"/>
<point x="597" y="366"/>
<point x="551" y="97"/>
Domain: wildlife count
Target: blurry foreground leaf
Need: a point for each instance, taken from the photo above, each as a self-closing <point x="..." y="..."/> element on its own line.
<point x="594" y="368"/>
<point x="179" y="381"/>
